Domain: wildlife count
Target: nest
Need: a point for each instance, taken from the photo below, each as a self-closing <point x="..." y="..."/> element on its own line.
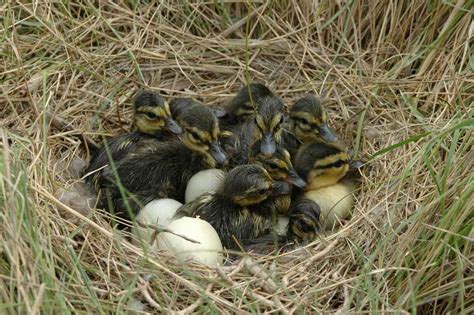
<point x="395" y="77"/>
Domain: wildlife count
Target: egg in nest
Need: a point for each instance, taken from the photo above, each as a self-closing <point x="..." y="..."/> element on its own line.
<point x="205" y="248"/>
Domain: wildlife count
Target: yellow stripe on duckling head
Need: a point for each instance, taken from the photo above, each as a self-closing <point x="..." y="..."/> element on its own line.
<point x="150" y="119"/>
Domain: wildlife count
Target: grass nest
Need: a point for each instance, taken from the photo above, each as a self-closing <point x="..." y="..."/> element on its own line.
<point x="397" y="79"/>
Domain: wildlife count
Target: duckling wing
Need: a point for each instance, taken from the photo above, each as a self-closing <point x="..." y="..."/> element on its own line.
<point x="117" y="148"/>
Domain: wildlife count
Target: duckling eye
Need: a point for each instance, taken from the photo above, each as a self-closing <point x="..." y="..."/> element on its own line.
<point x="338" y="163"/>
<point x="262" y="191"/>
<point x="272" y="165"/>
<point x="151" y="115"/>
<point x="194" y="137"/>
<point x="305" y="227"/>
<point x="304" y="121"/>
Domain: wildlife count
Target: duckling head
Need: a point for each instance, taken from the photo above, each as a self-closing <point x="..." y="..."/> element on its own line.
<point x="278" y="165"/>
<point x="201" y="133"/>
<point x="178" y="105"/>
<point x="322" y="164"/>
<point x="152" y="114"/>
<point x="251" y="184"/>
<point x="244" y="105"/>
<point x="309" y="121"/>
<point x="269" y="120"/>
<point x="304" y="223"/>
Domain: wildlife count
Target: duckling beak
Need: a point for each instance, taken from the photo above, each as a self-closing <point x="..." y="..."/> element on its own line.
<point x="268" y="145"/>
<point x="218" y="112"/>
<point x="281" y="188"/>
<point x="173" y="126"/>
<point x="294" y="179"/>
<point x="327" y="134"/>
<point x="218" y="153"/>
<point x="356" y="164"/>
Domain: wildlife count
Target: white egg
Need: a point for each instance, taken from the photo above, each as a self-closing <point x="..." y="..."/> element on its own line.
<point x="335" y="203"/>
<point x="205" y="252"/>
<point x="202" y="182"/>
<point x="158" y="212"/>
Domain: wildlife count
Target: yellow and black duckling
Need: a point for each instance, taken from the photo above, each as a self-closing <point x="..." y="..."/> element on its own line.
<point x="153" y="115"/>
<point x="152" y="119"/>
<point x="278" y="165"/>
<point x="280" y="168"/>
<point x="304" y="224"/>
<point x="178" y="105"/>
<point x="265" y="127"/>
<point x="269" y="122"/>
<point x="244" y="105"/>
<point x="308" y="123"/>
<point x="163" y="169"/>
<point x="239" y="210"/>
<point x="331" y="176"/>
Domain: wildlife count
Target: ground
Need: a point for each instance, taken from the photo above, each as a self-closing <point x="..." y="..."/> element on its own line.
<point x="396" y="77"/>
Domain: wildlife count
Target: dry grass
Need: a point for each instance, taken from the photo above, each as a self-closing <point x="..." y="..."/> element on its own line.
<point x="398" y="80"/>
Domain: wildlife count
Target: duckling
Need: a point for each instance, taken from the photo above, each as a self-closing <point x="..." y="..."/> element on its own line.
<point x="269" y="121"/>
<point x="304" y="222"/>
<point x="255" y="113"/>
<point x="307" y="123"/>
<point x="152" y="119"/>
<point x="331" y="181"/>
<point x="280" y="168"/>
<point x="178" y="105"/>
<point x="244" y="105"/>
<point x="238" y="210"/>
<point x="303" y="225"/>
<point x="163" y="169"/>
<point x="278" y="165"/>
<point x="153" y="115"/>
<point x="266" y="127"/>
